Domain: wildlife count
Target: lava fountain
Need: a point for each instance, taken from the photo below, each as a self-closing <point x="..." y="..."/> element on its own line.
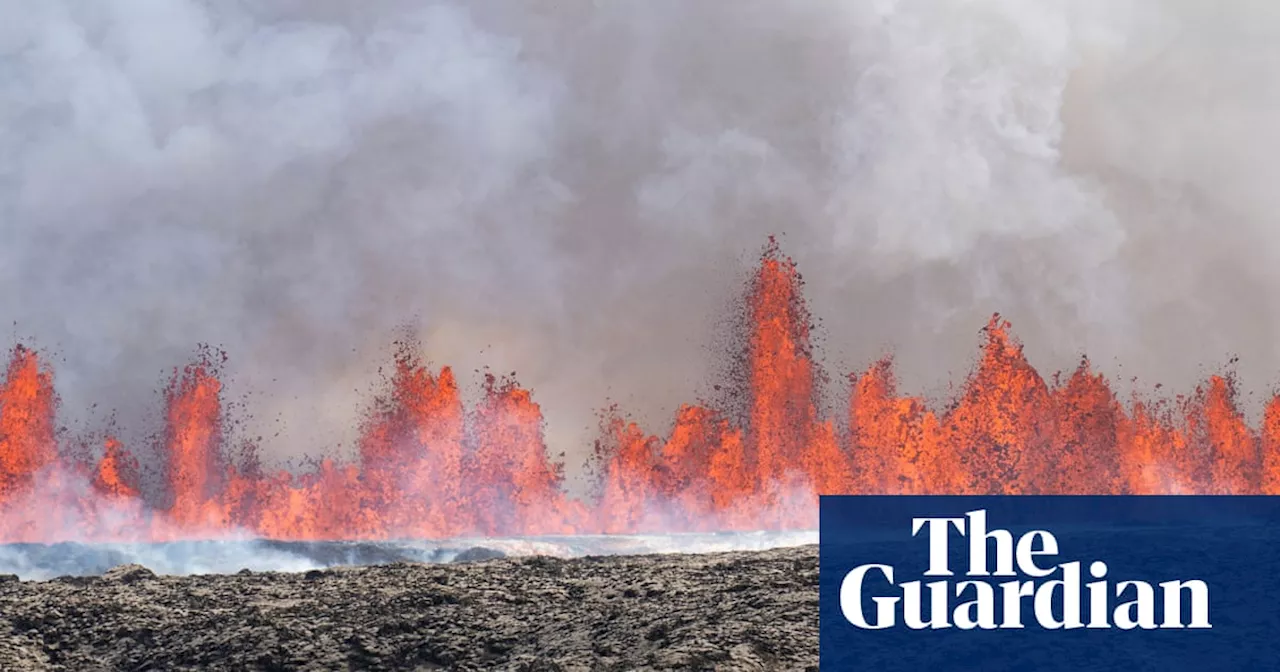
<point x="429" y="467"/>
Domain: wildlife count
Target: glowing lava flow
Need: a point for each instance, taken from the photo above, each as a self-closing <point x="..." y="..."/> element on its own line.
<point x="430" y="467"/>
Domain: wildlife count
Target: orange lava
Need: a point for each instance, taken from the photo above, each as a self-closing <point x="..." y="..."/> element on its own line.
<point x="27" y="442"/>
<point x="429" y="467"/>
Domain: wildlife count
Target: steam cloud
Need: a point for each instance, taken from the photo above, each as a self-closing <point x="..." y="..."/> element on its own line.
<point x="569" y="190"/>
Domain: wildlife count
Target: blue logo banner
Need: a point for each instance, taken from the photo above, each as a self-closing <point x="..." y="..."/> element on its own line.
<point x="1047" y="583"/>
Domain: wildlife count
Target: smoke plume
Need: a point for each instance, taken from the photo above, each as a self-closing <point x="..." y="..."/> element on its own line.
<point x="569" y="190"/>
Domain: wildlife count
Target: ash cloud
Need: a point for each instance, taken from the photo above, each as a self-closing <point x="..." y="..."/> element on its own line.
<point x="572" y="190"/>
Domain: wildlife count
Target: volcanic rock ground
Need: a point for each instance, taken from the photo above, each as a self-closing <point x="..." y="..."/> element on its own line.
<point x="723" y="611"/>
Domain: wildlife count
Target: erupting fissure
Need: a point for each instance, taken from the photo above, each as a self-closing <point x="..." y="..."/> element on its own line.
<point x="428" y="467"/>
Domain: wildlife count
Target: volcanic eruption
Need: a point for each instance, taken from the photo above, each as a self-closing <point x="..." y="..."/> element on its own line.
<point x="428" y="466"/>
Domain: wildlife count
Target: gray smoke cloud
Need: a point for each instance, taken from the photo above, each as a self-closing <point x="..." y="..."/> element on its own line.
<point x="572" y="190"/>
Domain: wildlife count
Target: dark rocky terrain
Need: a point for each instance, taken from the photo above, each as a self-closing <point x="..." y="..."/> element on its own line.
<point x="723" y="611"/>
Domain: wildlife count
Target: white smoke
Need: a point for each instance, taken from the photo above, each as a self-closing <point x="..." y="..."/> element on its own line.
<point x="570" y="190"/>
<point x="227" y="556"/>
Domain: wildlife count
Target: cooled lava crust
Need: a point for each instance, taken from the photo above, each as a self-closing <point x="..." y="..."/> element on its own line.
<point x="723" y="611"/>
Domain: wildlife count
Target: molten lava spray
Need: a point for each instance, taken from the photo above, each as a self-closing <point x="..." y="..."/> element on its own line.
<point x="427" y="466"/>
<point x="26" y="423"/>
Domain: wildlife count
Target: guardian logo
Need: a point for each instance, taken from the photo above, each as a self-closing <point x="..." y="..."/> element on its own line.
<point x="987" y="604"/>
<point x="1049" y="583"/>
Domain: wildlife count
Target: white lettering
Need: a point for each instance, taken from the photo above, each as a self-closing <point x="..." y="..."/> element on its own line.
<point x="912" y="605"/>
<point x="1139" y="613"/>
<point x="1056" y="604"/>
<point x="1027" y="552"/>
<point x="980" y="612"/>
<point x="1173" y="603"/>
<point x="851" y="599"/>
<point x="978" y="537"/>
<point x="938" y="565"/>
<point x="1070" y="585"/>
